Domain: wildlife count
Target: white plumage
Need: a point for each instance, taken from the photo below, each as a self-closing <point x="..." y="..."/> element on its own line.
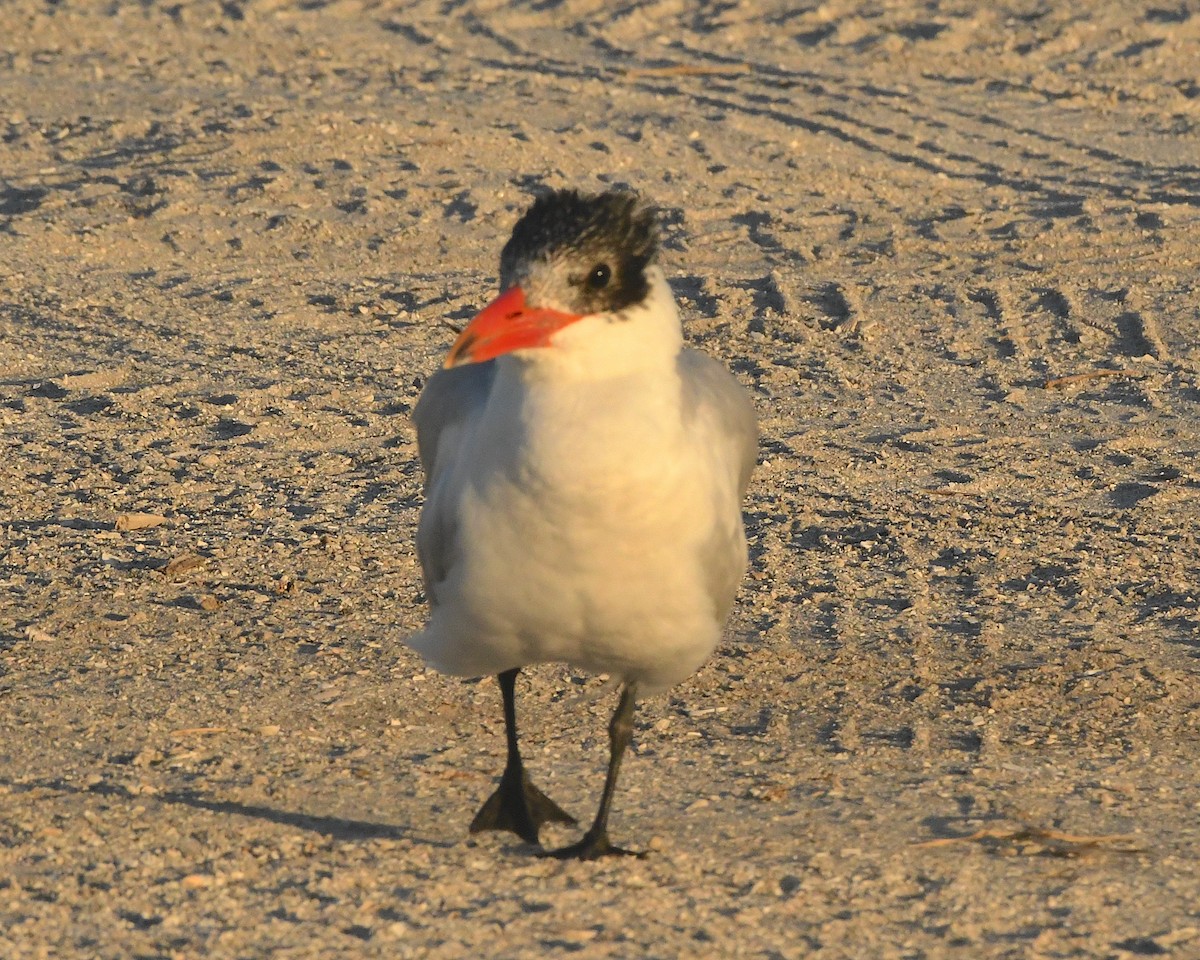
<point x="584" y="479"/>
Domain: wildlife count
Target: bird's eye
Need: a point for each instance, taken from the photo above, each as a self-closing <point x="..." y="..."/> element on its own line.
<point x="599" y="277"/>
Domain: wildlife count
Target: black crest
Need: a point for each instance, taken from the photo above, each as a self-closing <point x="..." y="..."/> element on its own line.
<point x="607" y="239"/>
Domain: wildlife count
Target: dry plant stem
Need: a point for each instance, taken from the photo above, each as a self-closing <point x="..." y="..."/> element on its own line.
<point x="1058" y="382"/>
<point x="1035" y="834"/>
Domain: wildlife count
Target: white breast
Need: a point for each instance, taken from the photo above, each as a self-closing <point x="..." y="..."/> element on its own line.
<point x="581" y="537"/>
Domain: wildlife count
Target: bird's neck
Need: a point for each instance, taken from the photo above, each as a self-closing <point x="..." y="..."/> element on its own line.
<point x="576" y="434"/>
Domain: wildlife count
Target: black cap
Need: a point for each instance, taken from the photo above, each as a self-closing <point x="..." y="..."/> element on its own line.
<point x="608" y="239"/>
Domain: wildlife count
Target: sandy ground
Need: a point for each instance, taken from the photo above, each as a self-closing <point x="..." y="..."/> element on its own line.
<point x="951" y="250"/>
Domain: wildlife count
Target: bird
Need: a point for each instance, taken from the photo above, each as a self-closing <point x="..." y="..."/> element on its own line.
<point x="584" y="476"/>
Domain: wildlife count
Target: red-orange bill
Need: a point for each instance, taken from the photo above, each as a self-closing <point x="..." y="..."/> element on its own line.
<point x="506" y="324"/>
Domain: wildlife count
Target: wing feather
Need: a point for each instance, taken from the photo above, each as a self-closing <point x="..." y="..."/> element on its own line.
<point x="450" y="401"/>
<point x="719" y="410"/>
<point x="718" y="403"/>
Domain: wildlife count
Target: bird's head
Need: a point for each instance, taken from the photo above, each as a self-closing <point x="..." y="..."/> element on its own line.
<point x="571" y="257"/>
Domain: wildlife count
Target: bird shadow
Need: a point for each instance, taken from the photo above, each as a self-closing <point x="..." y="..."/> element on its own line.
<point x="335" y="828"/>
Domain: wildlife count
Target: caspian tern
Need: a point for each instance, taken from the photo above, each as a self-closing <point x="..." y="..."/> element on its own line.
<point x="584" y="477"/>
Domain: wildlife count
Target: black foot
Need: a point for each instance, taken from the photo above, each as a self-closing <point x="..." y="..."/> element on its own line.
<point x="519" y="806"/>
<point x="593" y="846"/>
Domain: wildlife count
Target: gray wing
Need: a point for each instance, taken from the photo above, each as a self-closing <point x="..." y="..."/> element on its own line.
<point x="719" y="410"/>
<point x="450" y="400"/>
<point x="716" y="403"/>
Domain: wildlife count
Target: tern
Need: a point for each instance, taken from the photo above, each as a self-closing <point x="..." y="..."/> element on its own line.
<point x="584" y="473"/>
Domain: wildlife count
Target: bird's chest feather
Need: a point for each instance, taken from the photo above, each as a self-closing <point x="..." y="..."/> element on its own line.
<point x="586" y="476"/>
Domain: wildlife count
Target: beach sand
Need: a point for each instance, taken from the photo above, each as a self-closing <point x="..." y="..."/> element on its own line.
<point x="952" y="251"/>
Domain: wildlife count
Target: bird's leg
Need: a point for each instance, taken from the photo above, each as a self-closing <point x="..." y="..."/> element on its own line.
<point x="595" y="842"/>
<point x="517" y="805"/>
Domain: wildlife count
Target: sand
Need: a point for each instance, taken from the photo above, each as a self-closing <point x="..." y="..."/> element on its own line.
<point x="951" y="248"/>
